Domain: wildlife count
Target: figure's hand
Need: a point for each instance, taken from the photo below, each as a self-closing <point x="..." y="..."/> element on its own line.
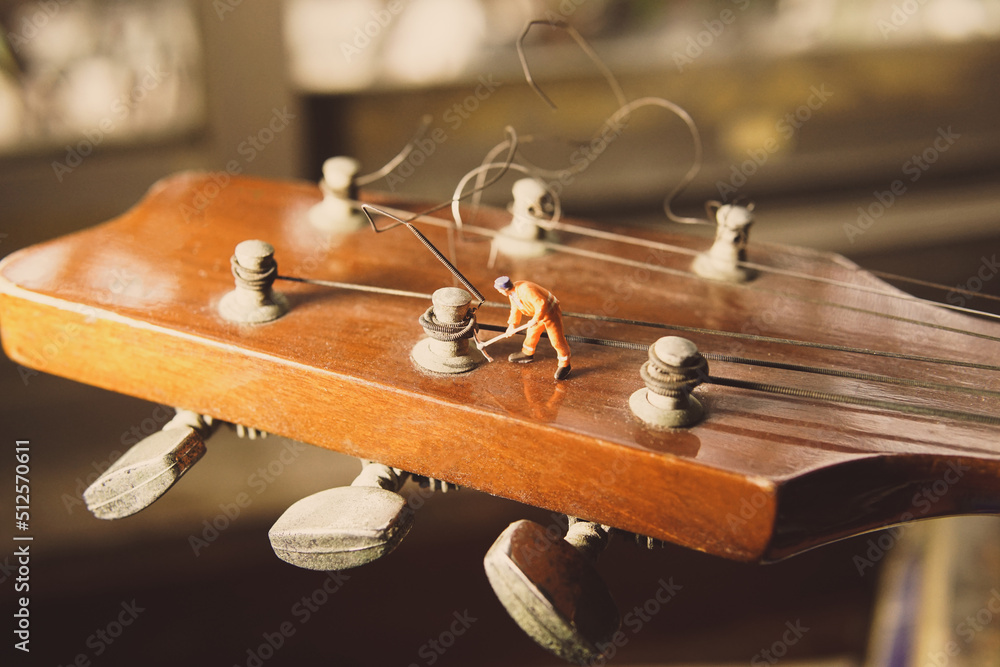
<point x="509" y="332"/>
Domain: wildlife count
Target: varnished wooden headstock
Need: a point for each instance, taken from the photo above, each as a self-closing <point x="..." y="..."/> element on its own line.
<point x="133" y="306"/>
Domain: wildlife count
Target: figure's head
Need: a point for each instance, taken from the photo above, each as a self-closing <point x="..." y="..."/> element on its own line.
<point x="503" y="284"/>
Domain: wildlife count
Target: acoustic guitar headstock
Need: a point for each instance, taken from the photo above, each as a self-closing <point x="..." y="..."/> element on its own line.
<point x="786" y="400"/>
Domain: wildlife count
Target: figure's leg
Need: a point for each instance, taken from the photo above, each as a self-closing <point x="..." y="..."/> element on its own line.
<point x="527" y="352"/>
<point x="531" y="338"/>
<point x="559" y="343"/>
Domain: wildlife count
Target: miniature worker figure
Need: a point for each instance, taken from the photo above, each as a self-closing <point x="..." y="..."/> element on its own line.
<point x="536" y="302"/>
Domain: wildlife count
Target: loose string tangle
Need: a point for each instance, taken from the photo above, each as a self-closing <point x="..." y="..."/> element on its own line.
<point x="391" y="165"/>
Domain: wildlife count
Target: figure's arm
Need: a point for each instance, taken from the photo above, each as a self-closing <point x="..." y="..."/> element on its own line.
<point x="513" y="320"/>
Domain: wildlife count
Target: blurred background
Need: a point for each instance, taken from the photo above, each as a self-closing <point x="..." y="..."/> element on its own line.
<point x="810" y="108"/>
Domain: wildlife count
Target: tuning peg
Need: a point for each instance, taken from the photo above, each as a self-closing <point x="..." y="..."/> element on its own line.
<point x="253" y="301"/>
<point x="449" y="326"/>
<point x="347" y="526"/>
<point x="550" y="587"/>
<point x="337" y="213"/>
<point x="674" y="369"/>
<point x="148" y="469"/>
<point x="726" y="258"/>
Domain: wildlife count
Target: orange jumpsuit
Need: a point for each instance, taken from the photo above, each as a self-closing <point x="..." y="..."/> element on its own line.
<point x="532" y="300"/>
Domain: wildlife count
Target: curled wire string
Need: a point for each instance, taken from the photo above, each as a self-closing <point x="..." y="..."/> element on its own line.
<point x="505" y="165"/>
<point x="481" y="178"/>
<point x="367" y="210"/>
<point x="528" y="168"/>
<point x="624" y="110"/>
<point x="616" y="125"/>
<point x="484" y="168"/>
<point x="389" y="166"/>
<point x="711" y="207"/>
<point x="584" y="46"/>
<point x="533" y="170"/>
<point x="490" y="157"/>
<point x="616" y="88"/>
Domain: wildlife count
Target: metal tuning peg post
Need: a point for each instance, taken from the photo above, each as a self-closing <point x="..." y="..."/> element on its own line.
<point x="674" y="369"/>
<point x="347" y="526"/>
<point x="725" y="259"/>
<point x="336" y="213"/>
<point x="551" y="589"/>
<point x="449" y="326"/>
<point x="149" y="468"/>
<point x="523" y="238"/>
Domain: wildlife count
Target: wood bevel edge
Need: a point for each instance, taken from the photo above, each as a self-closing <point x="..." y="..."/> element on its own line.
<point x="909" y="487"/>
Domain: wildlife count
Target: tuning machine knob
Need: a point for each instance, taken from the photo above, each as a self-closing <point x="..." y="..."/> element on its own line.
<point x="346" y="526"/>
<point x="551" y="589"/>
<point x="147" y="470"/>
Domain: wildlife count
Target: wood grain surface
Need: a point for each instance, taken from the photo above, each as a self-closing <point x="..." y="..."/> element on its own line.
<point x="131" y="306"/>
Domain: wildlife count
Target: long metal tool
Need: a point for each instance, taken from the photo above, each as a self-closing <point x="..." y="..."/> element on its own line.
<point x="482" y="344"/>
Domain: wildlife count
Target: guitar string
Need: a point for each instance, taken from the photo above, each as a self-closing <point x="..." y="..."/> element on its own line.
<point x="556" y="225"/>
<point x="926" y="283"/>
<point x="783" y="390"/>
<point x="742" y="384"/>
<point x="657" y="325"/>
<point x="559" y="247"/>
<point x="906" y="408"/>
<point x="777" y="365"/>
<point x="656" y="245"/>
<point x="821" y="302"/>
<point x="813" y="394"/>
<point x="757" y="338"/>
<point x="448" y="224"/>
